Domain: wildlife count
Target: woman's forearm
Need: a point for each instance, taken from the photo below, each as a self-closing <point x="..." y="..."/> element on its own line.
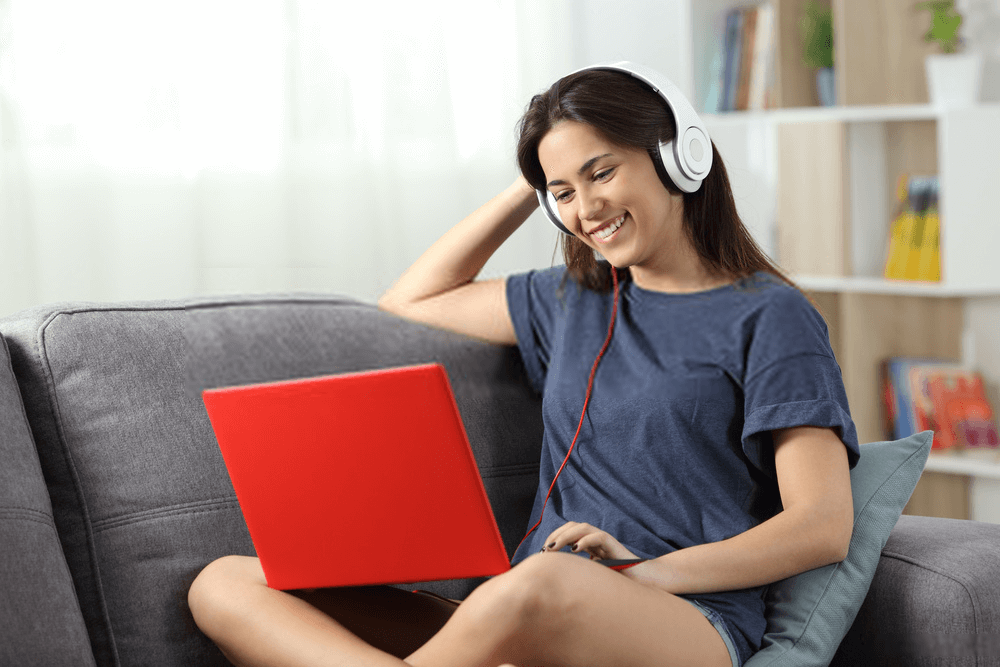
<point x="787" y="544"/>
<point x="457" y="257"/>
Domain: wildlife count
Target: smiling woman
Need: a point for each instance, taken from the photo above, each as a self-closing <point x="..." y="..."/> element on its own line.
<point x="709" y="220"/>
<point x="708" y="444"/>
<point x="615" y="204"/>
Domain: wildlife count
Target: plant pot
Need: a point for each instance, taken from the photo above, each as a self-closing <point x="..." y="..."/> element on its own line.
<point x="826" y="86"/>
<point x="953" y="79"/>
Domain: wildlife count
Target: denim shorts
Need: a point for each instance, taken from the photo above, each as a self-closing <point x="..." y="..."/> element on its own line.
<point x="720" y="625"/>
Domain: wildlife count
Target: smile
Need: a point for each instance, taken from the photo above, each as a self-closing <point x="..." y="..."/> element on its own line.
<point x="605" y="233"/>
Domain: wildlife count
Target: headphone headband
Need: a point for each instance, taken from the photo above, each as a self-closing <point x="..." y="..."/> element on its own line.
<point x="687" y="158"/>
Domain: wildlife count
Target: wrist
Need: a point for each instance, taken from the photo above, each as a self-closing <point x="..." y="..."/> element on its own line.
<point x="653" y="573"/>
<point x="522" y="187"/>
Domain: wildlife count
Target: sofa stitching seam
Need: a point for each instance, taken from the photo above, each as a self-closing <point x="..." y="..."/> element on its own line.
<point x="969" y="590"/>
<point x="29" y="510"/>
<point x="26" y="514"/>
<point x="155" y="517"/>
<point x="508" y="470"/>
<point x="222" y="303"/>
<point x="164" y="512"/>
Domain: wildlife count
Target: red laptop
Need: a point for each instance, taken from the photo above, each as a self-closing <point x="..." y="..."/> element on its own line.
<point x="357" y="479"/>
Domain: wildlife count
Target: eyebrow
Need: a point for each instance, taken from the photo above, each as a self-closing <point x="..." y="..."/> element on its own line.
<point x="586" y="165"/>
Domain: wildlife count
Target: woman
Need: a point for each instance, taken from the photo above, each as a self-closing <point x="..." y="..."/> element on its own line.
<point x="715" y="450"/>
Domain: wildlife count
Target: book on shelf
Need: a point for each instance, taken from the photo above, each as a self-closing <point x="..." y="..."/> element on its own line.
<point x="744" y="70"/>
<point x="746" y="56"/>
<point x="915" y="238"/>
<point x="941" y="396"/>
<point x="761" y="73"/>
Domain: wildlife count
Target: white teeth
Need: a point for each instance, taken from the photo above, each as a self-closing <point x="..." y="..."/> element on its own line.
<point x="610" y="229"/>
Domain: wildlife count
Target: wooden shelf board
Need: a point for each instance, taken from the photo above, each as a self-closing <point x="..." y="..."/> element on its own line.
<point x="882" y="113"/>
<point x="866" y="285"/>
<point x="848" y="114"/>
<point x="983" y="463"/>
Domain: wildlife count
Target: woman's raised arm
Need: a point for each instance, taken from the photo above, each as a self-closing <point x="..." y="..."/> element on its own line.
<point x="440" y="288"/>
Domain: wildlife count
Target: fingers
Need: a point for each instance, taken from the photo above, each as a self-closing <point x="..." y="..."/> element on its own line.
<point x="596" y="544"/>
<point x="584" y="538"/>
<point x="566" y="535"/>
<point x="580" y="538"/>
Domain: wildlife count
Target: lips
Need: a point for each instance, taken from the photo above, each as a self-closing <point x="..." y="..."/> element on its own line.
<point x="603" y="234"/>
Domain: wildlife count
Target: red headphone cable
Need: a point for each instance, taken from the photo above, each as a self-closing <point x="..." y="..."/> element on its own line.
<point x="586" y="401"/>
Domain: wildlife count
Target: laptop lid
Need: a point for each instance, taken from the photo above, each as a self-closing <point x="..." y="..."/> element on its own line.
<point x="357" y="479"/>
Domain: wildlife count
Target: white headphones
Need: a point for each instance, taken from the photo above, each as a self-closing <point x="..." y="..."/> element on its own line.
<point x="687" y="158"/>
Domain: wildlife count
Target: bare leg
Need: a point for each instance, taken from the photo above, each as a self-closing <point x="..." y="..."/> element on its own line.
<point x="553" y="609"/>
<point x="556" y="610"/>
<point x="256" y="625"/>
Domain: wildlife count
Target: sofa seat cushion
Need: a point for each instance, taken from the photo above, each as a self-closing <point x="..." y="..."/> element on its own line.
<point x="139" y="489"/>
<point x="41" y="619"/>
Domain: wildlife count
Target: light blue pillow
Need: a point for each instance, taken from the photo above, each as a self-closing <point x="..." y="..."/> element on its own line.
<point x="809" y="614"/>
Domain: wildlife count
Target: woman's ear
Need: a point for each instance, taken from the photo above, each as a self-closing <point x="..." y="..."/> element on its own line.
<point x="661" y="171"/>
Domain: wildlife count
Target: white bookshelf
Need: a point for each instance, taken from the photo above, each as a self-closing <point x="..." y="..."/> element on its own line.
<point x="840" y="114"/>
<point x="816" y="186"/>
<point x="959" y="145"/>
<point x="978" y="463"/>
<point x="868" y="285"/>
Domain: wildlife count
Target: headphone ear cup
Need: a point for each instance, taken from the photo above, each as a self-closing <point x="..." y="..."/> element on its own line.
<point x="671" y="163"/>
<point x="550" y="208"/>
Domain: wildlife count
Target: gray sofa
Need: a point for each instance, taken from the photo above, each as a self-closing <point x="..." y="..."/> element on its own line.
<point x="113" y="494"/>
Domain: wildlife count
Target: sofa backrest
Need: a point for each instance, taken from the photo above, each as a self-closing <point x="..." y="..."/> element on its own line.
<point x="139" y="491"/>
<point x="41" y="621"/>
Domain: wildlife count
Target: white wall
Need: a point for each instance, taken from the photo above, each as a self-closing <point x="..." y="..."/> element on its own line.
<point x="264" y="156"/>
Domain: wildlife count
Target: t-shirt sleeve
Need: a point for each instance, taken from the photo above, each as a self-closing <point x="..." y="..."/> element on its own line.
<point x="792" y="379"/>
<point x="535" y="301"/>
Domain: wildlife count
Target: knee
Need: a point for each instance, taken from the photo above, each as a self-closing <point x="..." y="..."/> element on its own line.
<point x="535" y="592"/>
<point x="219" y="590"/>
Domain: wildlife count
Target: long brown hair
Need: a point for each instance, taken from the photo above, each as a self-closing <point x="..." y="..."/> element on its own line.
<point x="629" y="114"/>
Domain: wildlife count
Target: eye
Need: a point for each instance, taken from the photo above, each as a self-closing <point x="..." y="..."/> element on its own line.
<point x="563" y="196"/>
<point x="604" y="175"/>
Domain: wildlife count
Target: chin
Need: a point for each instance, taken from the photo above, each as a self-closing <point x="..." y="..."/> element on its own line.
<point x="617" y="260"/>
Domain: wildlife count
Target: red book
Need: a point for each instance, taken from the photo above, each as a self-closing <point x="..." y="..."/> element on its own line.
<point x="963" y="413"/>
<point x="952" y="402"/>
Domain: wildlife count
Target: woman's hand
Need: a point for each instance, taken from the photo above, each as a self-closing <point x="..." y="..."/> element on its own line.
<point x="582" y="537"/>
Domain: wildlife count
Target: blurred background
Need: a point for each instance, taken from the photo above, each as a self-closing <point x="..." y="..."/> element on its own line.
<point x="158" y="150"/>
<point x="212" y="147"/>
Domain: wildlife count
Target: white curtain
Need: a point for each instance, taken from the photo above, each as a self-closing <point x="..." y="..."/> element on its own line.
<point x="159" y="150"/>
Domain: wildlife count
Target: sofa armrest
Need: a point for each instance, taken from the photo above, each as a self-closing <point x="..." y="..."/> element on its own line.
<point x="40" y="619"/>
<point x="936" y="595"/>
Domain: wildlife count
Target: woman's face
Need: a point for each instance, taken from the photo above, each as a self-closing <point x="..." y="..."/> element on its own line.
<point x="611" y="198"/>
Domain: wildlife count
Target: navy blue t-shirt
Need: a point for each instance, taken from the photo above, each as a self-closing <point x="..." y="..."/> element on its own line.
<point x="676" y="448"/>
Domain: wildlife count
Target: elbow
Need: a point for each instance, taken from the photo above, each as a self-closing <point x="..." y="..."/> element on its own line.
<point x="825" y="535"/>
<point x="839" y="537"/>
<point x="385" y="302"/>
<point x="839" y="549"/>
<point x="389" y="303"/>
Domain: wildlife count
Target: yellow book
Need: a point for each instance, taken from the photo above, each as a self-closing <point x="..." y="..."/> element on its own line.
<point x="914" y="252"/>
<point x="929" y="259"/>
<point x="901" y="231"/>
<point x="902" y="228"/>
<point x="911" y="251"/>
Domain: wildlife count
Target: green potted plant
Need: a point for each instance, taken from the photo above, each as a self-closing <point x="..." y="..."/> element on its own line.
<point x="817" y="48"/>
<point x="953" y="76"/>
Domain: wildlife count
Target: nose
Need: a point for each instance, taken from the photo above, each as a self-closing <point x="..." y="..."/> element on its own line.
<point x="589" y="204"/>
